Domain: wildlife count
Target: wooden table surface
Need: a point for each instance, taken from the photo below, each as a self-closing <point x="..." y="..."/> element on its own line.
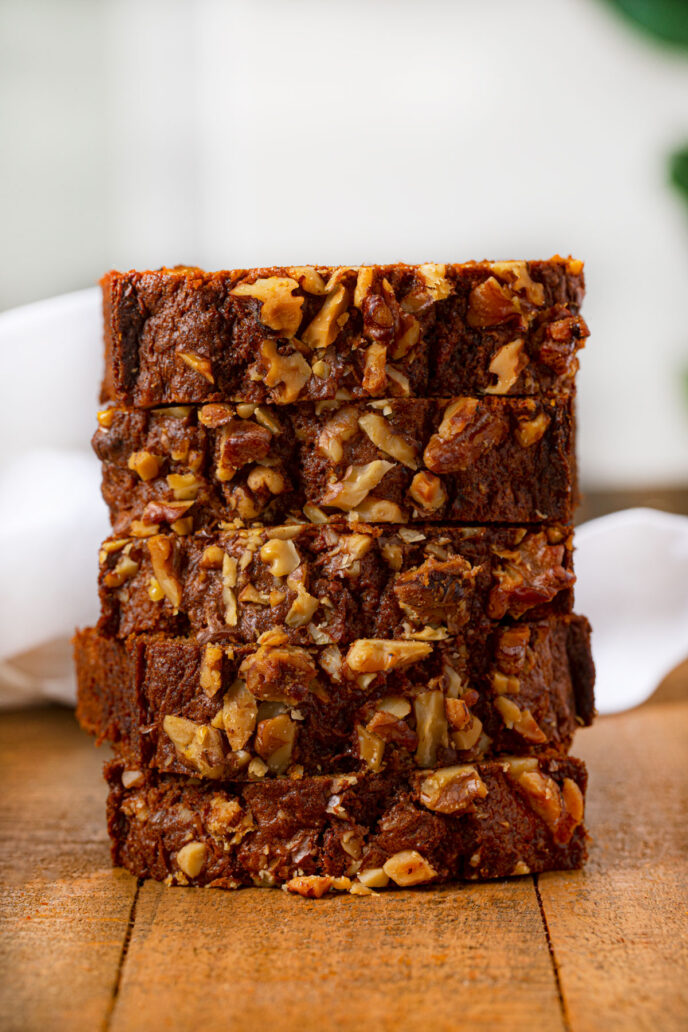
<point x="86" y="947"/>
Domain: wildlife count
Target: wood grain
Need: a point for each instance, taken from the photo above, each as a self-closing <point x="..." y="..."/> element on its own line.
<point x="618" y="929"/>
<point x="473" y="957"/>
<point x="64" y="913"/>
<point x="458" y="958"/>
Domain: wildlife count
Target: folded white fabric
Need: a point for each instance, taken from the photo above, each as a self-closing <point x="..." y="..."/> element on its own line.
<point x="632" y="566"/>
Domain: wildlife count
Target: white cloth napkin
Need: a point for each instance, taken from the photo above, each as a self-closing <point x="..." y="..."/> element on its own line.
<point x="632" y="566"/>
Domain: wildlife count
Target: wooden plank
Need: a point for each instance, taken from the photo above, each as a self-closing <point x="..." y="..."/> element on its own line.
<point x="64" y="914"/>
<point x="456" y="958"/>
<point x="618" y="929"/>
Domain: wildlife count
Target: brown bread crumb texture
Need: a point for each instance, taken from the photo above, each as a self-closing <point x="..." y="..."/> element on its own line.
<point x="251" y="712"/>
<point x="306" y="333"/>
<point x="351" y="832"/>
<point x="333" y="584"/>
<point x="466" y="459"/>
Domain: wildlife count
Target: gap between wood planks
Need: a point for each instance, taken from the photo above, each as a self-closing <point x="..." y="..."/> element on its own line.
<point x="552" y="956"/>
<point x="107" y="1020"/>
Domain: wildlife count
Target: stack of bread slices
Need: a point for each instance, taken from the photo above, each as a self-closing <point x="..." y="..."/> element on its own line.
<point x="336" y="649"/>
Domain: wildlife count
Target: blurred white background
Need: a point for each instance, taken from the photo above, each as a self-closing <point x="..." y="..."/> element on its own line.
<point x="223" y="133"/>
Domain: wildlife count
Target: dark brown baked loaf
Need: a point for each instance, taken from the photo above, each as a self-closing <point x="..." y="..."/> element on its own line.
<point x="224" y="713"/>
<point x="507" y="460"/>
<point x="487" y="820"/>
<point x="332" y="583"/>
<point x="306" y="333"/>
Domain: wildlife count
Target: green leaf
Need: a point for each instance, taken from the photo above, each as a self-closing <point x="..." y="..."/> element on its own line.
<point x="678" y="170"/>
<point x="664" y="19"/>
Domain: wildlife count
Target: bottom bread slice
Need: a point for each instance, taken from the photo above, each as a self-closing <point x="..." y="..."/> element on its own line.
<point x="513" y="816"/>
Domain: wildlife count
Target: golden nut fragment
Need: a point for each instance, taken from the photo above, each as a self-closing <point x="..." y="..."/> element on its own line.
<point x="507" y="365"/>
<point x="409" y="868"/>
<point x="323" y="330"/>
<point x="280" y="309"/>
<point x="238" y="715"/>
<point x="198" y="364"/>
<point x="427" y="491"/>
<point x="145" y="464"/>
<point x="123" y="571"/>
<point x="371" y="747"/>
<point x="191" y="858"/>
<point x="383" y="437"/>
<point x="211" y="669"/>
<point x="292" y="372"/>
<point x="431" y="727"/>
<point x="199" y="744"/>
<point x="452" y="789"/>
<point x="275" y="741"/>
<point x="281" y="556"/>
<point x="341" y="428"/>
<point x="357" y="482"/>
<point x="371" y="655"/>
<point x="312" y="886"/>
<point x="162" y="559"/>
<point x="529" y="432"/>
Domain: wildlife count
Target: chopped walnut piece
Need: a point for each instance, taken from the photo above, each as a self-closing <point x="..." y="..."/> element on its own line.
<point x="280" y="309"/>
<point x="105" y="418"/>
<point x="573" y="800"/>
<point x="323" y="330"/>
<point x="184" y="486"/>
<point x="309" y="279"/>
<point x="457" y="712"/>
<point x="530" y="431"/>
<point x="226" y="815"/>
<point x="211" y="669"/>
<point x="291" y="371"/>
<point x="199" y="744"/>
<point x="490" y="303"/>
<point x="561" y="810"/>
<point x="364" y="284"/>
<point x="467" y="737"/>
<point x="452" y="789"/>
<point x="518" y="276"/>
<point x="191" y="858"/>
<point x="256" y="768"/>
<point x="263" y="477"/>
<point x="215" y="415"/>
<point x="281" y="556"/>
<point x="512" y="650"/>
<point x="431" y="726"/>
<point x="381" y="434"/>
<point x="397" y="705"/>
<point x="131" y="778"/>
<point x="528" y="728"/>
<point x="123" y="571"/>
<point x="162" y="560"/>
<point x="508" y="710"/>
<point x="467" y="430"/>
<point x="375" y="369"/>
<point x="505" y="684"/>
<point x="377" y="510"/>
<point x="357" y="482"/>
<point x="370" y="655"/>
<point x="391" y="728"/>
<point x="373" y="878"/>
<point x="302" y="608"/>
<point x="238" y="715"/>
<point x="229" y="580"/>
<point x="274" y="741"/>
<point x="371" y="748"/>
<point x="520" y="867"/>
<point x="409" y="868"/>
<point x="243" y="441"/>
<point x="145" y="463"/>
<point x="530" y="575"/>
<point x="198" y="364"/>
<point x="436" y="282"/>
<point x="312" y="886"/>
<point x="279" y="673"/>
<point x="212" y="557"/>
<point x="342" y="427"/>
<point x="507" y="365"/>
<point x="427" y="491"/>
